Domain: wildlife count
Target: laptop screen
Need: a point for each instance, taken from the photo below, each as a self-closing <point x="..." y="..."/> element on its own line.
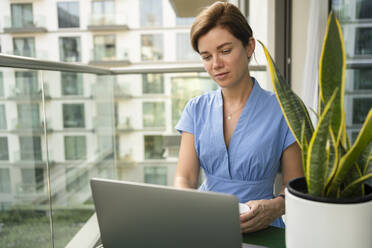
<point x="142" y="215"/>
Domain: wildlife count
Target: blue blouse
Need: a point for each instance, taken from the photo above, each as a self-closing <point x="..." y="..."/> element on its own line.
<point x="247" y="168"/>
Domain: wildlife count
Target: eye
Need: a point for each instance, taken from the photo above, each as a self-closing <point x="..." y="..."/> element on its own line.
<point x="226" y="51"/>
<point x="206" y="57"/>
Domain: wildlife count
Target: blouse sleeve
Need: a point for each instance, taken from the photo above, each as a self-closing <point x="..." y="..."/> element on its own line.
<point x="186" y="122"/>
<point x="289" y="139"/>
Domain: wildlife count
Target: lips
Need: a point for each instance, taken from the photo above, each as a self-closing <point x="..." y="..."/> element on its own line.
<point x="221" y="76"/>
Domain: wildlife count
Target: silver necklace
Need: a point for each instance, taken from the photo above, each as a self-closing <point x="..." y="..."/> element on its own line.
<point x="229" y="115"/>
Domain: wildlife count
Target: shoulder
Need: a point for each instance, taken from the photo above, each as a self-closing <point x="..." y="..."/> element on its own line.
<point x="268" y="100"/>
<point x="199" y="102"/>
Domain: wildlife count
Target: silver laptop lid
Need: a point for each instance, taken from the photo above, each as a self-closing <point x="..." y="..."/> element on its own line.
<point x="142" y="215"/>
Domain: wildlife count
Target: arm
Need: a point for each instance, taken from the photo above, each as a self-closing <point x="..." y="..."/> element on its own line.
<point x="264" y="212"/>
<point x="187" y="173"/>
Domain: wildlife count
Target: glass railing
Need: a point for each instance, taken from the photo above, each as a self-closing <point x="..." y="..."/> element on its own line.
<point x="121" y="126"/>
<point x="107" y="20"/>
<point x="101" y="55"/>
<point x="20" y="22"/>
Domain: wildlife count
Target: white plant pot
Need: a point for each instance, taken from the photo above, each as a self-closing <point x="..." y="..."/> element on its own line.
<point x="317" y="224"/>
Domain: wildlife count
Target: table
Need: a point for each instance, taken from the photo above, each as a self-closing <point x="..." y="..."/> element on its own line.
<point x="272" y="237"/>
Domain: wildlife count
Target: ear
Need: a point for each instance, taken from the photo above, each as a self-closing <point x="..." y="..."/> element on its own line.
<point x="250" y="47"/>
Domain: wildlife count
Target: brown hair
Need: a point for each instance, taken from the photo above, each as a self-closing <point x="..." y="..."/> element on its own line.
<point x="221" y="14"/>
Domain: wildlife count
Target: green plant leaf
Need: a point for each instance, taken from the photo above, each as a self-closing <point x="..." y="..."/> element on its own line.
<point x="355" y="189"/>
<point x="317" y="157"/>
<point x="293" y="108"/>
<point x="349" y="189"/>
<point x="304" y="146"/>
<point x="366" y="160"/>
<point x="332" y="73"/>
<point x="332" y="161"/>
<point x="362" y="142"/>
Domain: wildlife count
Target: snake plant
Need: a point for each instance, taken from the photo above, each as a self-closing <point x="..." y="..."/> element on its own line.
<point x="332" y="167"/>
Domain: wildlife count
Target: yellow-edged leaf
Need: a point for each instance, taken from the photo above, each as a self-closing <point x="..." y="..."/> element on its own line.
<point x="316" y="170"/>
<point x="293" y="108"/>
<point x="332" y="73"/>
<point x="362" y="142"/>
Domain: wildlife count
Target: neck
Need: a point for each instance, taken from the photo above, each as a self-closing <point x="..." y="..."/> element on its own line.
<point x="237" y="95"/>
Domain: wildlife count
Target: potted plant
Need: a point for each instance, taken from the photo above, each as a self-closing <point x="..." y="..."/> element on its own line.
<point x="332" y="205"/>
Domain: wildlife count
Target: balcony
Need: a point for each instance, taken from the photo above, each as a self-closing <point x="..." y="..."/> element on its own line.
<point x="34" y="157"/>
<point x="108" y="23"/>
<point x="37" y="25"/>
<point x="40" y="54"/>
<point x="122" y="91"/>
<point x="115" y="58"/>
<point x="20" y="126"/>
<point x="28" y="95"/>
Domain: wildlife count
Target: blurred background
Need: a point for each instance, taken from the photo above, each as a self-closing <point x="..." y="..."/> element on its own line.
<point x="110" y="109"/>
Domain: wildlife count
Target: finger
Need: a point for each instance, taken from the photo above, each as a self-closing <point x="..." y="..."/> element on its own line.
<point x="250" y="227"/>
<point x="246" y="216"/>
<point x="251" y="223"/>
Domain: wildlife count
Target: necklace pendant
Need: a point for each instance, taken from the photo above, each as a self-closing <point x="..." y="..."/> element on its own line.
<point x="229" y="117"/>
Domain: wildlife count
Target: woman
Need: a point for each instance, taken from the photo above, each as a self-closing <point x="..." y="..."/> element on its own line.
<point x="237" y="134"/>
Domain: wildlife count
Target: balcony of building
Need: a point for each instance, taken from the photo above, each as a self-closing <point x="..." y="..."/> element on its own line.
<point x="29" y="93"/>
<point x="24" y="24"/>
<point x="108" y="22"/>
<point x="109" y="56"/>
<point x="23" y="125"/>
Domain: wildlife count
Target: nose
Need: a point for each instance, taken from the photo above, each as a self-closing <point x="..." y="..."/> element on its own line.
<point x="217" y="62"/>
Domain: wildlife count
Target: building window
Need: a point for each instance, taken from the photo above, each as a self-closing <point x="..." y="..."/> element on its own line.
<point x="153" y="114"/>
<point x="24" y="46"/>
<point x="75" y="148"/>
<point x="4" y="150"/>
<point x="26" y="83"/>
<point x="363" y="41"/>
<point x="156" y="175"/>
<point x="154" y="147"/>
<point x="73" y="116"/>
<point x="361" y="107"/>
<point x="28" y="115"/>
<point x="104" y="47"/>
<point x="32" y="180"/>
<point x="363" y="9"/>
<point x="1" y="83"/>
<point x="362" y="79"/>
<point x="184" y="50"/>
<point x="185" y="88"/>
<point x="152" y="83"/>
<point x="151" y="47"/>
<point x="68" y="14"/>
<point x="5" y="186"/>
<point x="3" y="124"/>
<point x="69" y="49"/>
<point x="71" y="84"/>
<point x="151" y="13"/>
<point x="103" y="12"/>
<point x="171" y="144"/>
<point x="22" y="15"/>
<point x="30" y="148"/>
<point x="77" y="180"/>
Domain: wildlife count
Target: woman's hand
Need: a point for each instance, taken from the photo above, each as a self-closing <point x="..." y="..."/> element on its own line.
<point x="261" y="215"/>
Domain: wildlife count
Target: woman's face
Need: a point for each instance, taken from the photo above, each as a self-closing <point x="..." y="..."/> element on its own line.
<point x="224" y="57"/>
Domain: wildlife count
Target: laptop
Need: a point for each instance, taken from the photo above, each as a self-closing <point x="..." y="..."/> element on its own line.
<point x="142" y="215"/>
